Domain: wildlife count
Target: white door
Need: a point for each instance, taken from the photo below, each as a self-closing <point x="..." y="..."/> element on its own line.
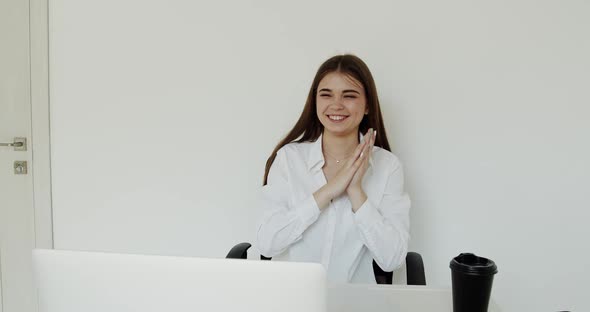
<point x="17" y="226"/>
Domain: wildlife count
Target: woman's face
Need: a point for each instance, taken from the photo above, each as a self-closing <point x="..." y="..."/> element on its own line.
<point x="341" y="104"/>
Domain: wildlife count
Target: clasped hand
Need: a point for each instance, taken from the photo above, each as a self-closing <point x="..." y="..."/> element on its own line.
<point x="348" y="179"/>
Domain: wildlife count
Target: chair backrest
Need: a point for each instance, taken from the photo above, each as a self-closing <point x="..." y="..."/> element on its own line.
<point x="411" y="273"/>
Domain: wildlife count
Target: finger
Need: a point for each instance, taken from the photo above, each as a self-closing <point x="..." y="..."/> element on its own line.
<point x="359" y="164"/>
<point x="365" y="151"/>
<point x="364" y="137"/>
<point x="369" y="151"/>
<point x="368" y="137"/>
<point x="368" y="134"/>
<point x="356" y="165"/>
<point x="359" y="150"/>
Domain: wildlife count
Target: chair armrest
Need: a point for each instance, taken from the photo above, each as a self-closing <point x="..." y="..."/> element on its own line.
<point x="239" y="251"/>
<point x="382" y="277"/>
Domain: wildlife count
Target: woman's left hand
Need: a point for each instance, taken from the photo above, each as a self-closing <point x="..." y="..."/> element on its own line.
<point x="355" y="186"/>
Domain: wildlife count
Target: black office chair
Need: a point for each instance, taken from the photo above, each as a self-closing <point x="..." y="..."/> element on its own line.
<point x="414" y="266"/>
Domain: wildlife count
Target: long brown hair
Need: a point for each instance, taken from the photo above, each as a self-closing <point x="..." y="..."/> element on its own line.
<point x="309" y="128"/>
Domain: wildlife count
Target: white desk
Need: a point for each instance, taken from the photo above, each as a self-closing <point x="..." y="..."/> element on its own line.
<point x="391" y="298"/>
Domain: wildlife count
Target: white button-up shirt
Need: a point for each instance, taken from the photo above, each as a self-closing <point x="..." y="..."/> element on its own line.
<point x="294" y="229"/>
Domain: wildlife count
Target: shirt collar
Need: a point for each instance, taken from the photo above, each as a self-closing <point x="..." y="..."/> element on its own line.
<point x="316" y="161"/>
<point x="315" y="158"/>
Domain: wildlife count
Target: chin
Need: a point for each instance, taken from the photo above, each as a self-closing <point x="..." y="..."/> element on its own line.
<point x="340" y="132"/>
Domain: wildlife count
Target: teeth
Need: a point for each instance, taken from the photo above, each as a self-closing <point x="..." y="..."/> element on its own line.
<point x="336" y="117"/>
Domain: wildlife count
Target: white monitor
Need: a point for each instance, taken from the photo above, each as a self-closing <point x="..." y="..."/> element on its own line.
<point x="74" y="281"/>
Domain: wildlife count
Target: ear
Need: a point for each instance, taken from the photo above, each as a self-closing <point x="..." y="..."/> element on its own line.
<point x="367" y="111"/>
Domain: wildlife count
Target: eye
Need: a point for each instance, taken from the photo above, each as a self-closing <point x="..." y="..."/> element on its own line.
<point x="324" y="95"/>
<point x="350" y="96"/>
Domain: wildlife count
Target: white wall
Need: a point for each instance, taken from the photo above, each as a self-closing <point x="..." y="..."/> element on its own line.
<point x="164" y="112"/>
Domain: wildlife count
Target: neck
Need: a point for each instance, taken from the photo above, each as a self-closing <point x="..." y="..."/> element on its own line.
<point x="340" y="146"/>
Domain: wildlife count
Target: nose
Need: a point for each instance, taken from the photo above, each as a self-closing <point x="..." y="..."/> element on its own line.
<point x="337" y="104"/>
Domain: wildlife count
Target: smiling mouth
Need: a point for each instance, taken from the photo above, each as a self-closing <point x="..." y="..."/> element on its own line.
<point x="337" y="118"/>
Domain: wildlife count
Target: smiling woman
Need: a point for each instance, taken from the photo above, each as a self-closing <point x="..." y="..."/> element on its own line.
<point x="341" y="104"/>
<point x="333" y="192"/>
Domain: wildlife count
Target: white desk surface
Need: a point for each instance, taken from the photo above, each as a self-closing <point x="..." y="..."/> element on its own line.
<point x="391" y="298"/>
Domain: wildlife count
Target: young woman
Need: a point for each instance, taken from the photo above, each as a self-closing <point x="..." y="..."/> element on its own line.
<point x="333" y="192"/>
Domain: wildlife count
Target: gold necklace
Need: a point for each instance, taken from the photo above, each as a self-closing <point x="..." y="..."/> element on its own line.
<point x="339" y="160"/>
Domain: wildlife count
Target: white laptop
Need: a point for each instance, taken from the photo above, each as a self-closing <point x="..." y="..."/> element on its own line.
<point x="74" y="281"/>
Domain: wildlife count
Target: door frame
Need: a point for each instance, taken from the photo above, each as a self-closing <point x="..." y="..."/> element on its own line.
<point x="40" y="122"/>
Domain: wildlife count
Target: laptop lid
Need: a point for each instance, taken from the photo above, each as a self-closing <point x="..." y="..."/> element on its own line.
<point x="74" y="281"/>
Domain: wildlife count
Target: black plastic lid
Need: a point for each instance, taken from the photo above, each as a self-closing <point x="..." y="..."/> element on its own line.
<point x="471" y="264"/>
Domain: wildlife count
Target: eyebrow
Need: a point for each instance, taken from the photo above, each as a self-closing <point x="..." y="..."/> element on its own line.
<point x="344" y="91"/>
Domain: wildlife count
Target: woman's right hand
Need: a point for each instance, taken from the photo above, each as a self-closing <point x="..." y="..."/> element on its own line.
<point x="338" y="184"/>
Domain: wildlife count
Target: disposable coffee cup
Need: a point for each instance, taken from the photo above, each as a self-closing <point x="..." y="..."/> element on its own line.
<point x="472" y="278"/>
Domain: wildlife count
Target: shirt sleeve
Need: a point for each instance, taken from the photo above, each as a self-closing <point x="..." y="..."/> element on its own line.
<point x="282" y="222"/>
<point x="384" y="223"/>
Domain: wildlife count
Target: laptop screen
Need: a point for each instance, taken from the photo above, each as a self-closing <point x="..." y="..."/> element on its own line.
<point x="74" y="281"/>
